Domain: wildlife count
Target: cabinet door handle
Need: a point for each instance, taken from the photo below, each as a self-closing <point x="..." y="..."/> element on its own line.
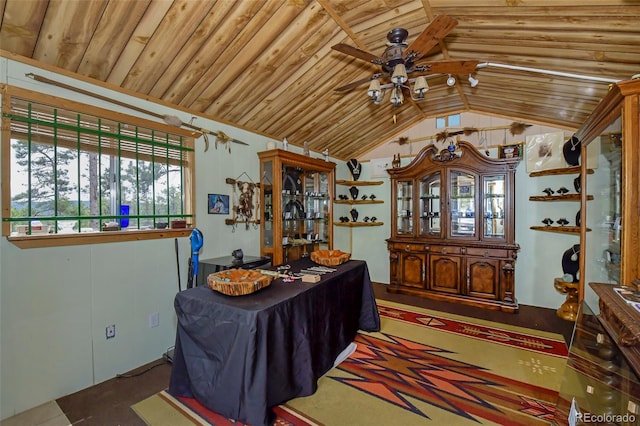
<point x="407" y="248"/>
<point x="444" y="250"/>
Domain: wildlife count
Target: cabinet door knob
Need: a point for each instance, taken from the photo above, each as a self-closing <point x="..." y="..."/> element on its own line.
<point x="407" y="248"/>
<point x="444" y="250"/>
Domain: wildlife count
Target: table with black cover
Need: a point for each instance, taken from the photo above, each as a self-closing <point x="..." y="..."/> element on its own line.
<point x="242" y="355"/>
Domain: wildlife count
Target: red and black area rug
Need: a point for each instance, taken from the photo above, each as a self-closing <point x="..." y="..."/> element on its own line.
<point x="423" y="367"/>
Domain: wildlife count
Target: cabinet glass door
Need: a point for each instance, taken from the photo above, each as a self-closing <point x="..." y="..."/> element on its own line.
<point x="462" y="208"/>
<point x="267" y="216"/>
<point x="493" y="190"/>
<point x="293" y="211"/>
<point x="404" y="206"/>
<point x="316" y="201"/>
<point x="604" y="217"/>
<point x="430" y="205"/>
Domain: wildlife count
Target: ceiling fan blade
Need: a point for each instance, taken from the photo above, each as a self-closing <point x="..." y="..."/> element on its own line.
<point x="448" y="67"/>
<point x="436" y="31"/>
<point x="356" y="83"/>
<point x="357" y="53"/>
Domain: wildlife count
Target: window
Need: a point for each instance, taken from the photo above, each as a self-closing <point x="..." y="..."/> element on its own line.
<point x="448" y="121"/>
<point x="80" y="170"/>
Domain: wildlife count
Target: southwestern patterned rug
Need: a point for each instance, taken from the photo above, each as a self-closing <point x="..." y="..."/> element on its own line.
<point x="423" y="367"/>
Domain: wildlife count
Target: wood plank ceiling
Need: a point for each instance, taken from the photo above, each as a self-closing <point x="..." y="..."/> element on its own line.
<point x="267" y="65"/>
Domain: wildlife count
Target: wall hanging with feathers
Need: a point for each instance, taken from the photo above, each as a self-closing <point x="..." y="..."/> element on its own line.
<point x="245" y="196"/>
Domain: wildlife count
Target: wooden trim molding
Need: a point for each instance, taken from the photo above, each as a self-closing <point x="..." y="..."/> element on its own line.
<point x="57" y="240"/>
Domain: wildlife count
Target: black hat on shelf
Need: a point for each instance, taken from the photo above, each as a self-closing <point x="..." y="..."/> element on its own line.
<point x="571" y="151"/>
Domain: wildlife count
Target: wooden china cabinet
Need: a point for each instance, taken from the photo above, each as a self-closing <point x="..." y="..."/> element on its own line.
<point x="453" y="228"/>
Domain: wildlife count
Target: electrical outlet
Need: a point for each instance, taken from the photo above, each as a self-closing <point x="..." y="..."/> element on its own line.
<point x="154" y="320"/>
<point x="111" y="331"/>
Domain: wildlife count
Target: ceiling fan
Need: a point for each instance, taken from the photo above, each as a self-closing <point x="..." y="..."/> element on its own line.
<point x="402" y="62"/>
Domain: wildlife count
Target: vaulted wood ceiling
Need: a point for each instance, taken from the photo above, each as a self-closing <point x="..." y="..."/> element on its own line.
<point x="268" y="66"/>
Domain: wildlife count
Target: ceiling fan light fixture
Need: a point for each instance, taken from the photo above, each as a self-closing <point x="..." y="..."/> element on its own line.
<point x="473" y="81"/>
<point x="374" y="89"/>
<point x="396" y="96"/>
<point x="399" y="74"/>
<point x="451" y="81"/>
<point x="420" y="87"/>
<point x="378" y="99"/>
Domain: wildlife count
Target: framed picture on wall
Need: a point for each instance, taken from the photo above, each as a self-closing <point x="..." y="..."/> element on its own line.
<point x="513" y="150"/>
<point x="218" y="204"/>
<point x="544" y="151"/>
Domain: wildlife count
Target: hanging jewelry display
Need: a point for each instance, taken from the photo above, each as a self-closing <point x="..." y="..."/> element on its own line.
<point x="576" y="183"/>
<point x="571" y="151"/>
<point x="355" y="168"/>
<point x="354" y="192"/>
<point x="354" y="215"/>
<point x="570" y="263"/>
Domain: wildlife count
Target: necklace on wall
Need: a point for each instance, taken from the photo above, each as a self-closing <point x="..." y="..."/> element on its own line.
<point x="354" y="167"/>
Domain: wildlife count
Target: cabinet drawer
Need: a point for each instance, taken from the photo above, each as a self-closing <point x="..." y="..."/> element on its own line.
<point x="445" y="249"/>
<point x="487" y="252"/>
<point x="407" y="247"/>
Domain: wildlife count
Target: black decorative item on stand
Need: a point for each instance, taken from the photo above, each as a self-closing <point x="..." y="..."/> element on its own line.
<point x="237" y="257"/>
<point x="355" y="168"/>
<point x="571" y="151"/>
<point x="570" y="263"/>
<point x="577" y="183"/>
<point x="578" y="220"/>
<point x="354" y="215"/>
<point x="354" y="192"/>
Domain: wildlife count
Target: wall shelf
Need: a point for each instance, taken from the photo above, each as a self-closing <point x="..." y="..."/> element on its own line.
<point x="358" y="201"/>
<point x="565" y="197"/>
<point x="563" y="171"/>
<point x="559" y="229"/>
<point x="357" y="224"/>
<point x="359" y="182"/>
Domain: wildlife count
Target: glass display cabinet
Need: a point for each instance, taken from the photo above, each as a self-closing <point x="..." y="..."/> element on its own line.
<point x="611" y="253"/>
<point x="430" y="205"/>
<point x="404" y="207"/>
<point x="598" y="384"/>
<point x="459" y="245"/>
<point x="296" y="194"/>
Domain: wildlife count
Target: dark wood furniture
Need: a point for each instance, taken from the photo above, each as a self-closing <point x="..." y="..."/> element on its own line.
<point x="621" y="322"/>
<point x="297" y="192"/>
<point x="599" y="384"/>
<point x="240" y="356"/>
<point x="452" y="231"/>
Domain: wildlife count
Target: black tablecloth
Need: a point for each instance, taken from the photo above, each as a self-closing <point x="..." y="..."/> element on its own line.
<point x="239" y="356"/>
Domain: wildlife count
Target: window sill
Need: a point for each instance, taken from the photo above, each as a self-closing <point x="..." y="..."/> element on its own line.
<point x="57" y="240"/>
